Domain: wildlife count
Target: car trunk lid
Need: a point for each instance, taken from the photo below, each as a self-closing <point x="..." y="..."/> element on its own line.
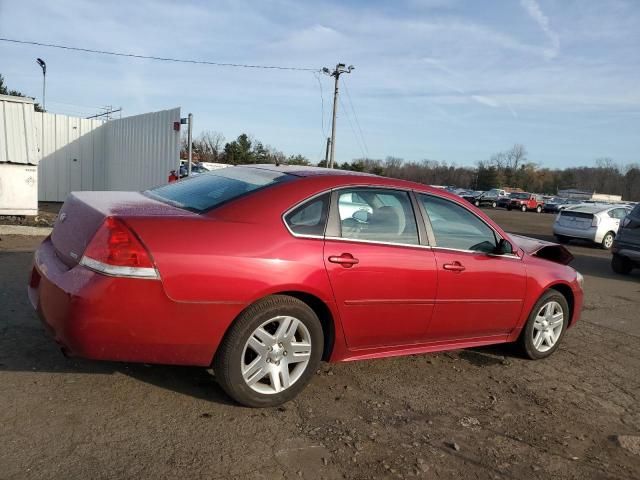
<point x="572" y="219"/>
<point x="84" y="212"/>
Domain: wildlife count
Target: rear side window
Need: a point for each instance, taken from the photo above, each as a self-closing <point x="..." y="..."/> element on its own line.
<point x="209" y="190"/>
<point x="636" y="211"/>
<point x="310" y="218"/>
<point x="377" y="215"/>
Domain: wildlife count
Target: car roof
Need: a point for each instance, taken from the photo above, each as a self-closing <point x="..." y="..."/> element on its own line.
<point x="306" y="171"/>
<point x="594" y="208"/>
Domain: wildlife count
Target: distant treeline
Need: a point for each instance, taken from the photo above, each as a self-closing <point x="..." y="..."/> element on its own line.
<point x="510" y="168"/>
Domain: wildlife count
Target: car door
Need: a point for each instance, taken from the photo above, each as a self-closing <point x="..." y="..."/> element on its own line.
<point x="480" y="294"/>
<point x="616" y="215"/>
<point x="382" y="272"/>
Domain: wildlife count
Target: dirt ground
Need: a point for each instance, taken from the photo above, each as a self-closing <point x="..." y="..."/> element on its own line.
<point x="480" y="413"/>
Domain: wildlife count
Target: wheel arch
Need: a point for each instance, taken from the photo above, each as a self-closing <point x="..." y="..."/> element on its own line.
<point x="321" y="309"/>
<point x="566" y="291"/>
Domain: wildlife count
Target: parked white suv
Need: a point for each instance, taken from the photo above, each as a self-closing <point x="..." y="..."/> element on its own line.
<point x="596" y="222"/>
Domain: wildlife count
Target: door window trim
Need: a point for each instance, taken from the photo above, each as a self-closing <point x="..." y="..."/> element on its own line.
<point x="301" y="203"/>
<point x="334" y="232"/>
<point x="432" y="239"/>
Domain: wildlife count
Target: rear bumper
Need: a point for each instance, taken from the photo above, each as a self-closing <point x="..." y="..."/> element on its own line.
<point x="100" y="317"/>
<point x="586" y="234"/>
<point x="629" y="251"/>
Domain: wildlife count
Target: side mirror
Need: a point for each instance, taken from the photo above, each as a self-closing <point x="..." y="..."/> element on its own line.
<point x="504" y="247"/>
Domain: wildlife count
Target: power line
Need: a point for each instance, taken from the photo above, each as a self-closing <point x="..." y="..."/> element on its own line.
<point x="163" y="59"/>
<point x="324" y="132"/>
<point x="346" y="114"/>
<point x="355" y="116"/>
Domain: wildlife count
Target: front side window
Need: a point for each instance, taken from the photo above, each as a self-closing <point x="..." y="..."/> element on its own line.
<point x="310" y="218"/>
<point x="456" y="227"/>
<point x="377" y="215"/>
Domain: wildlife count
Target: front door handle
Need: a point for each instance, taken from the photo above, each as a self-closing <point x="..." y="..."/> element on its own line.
<point x="454" y="267"/>
<point x="346" y="260"/>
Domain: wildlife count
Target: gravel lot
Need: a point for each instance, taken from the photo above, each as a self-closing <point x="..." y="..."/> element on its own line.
<point x="481" y="413"/>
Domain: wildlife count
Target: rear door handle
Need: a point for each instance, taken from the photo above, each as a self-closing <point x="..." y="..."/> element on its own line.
<point x="454" y="267"/>
<point x="346" y="260"/>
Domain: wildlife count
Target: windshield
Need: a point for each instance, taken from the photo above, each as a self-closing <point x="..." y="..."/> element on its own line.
<point x="209" y="190"/>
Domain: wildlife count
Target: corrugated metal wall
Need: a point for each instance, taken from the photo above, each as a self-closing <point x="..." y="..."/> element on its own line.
<point x="72" y="153"/>
<point x="141" y="150"/>
<point x="17" y="143"/>
<point x="131" y="153"/>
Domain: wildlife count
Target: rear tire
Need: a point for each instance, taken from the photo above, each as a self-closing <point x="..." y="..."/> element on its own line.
<point x="562" y="239"/>
<point x="494" y="205"/>
<point x="476" y="203"/>
<point x="523" y="208"/>
<point x="546" y="325"/>
<point x="275" y="334"/>
<point x="621" y="265"/>
<point x="539" y="209"/>
<point x="509" y="207"/>
<point x="607" y="241"/>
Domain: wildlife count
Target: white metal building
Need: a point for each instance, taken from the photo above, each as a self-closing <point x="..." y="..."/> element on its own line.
<point x="44" y="156"/>
<point x="18" y="157"/>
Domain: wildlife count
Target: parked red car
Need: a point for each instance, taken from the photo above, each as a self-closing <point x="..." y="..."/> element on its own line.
<point x="526" y="201"/>
<point x="263" y="271"/>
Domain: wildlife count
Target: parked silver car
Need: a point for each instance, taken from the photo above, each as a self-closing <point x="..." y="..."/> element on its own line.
<point x="596" y="222"/>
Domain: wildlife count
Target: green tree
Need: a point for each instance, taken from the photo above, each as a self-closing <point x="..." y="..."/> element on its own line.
<point x="4" y="90"/>
<point x="298" y="160"/>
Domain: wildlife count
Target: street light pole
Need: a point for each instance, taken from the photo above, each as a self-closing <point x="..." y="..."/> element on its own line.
<point x="340" y="69"/>
<point x="43" y="65"/>
<point x="190" y="139"/>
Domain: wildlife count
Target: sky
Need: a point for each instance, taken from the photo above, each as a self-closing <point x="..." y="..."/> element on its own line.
<point x="446" y="80"/>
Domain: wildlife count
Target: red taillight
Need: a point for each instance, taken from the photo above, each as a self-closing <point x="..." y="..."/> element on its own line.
<point x="115" y="249"/>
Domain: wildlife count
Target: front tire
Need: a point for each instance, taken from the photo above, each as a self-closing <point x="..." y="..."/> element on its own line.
<point x="494" y="204"/>
<point x="607" y="241"/>
<point x="509" y="207"/>
<point x="477" y="203"/>
<point x="562" y="239"/>
<point x="546" y="325"/>
<point x="270" y="352"/>
<point x="621" y="265"/>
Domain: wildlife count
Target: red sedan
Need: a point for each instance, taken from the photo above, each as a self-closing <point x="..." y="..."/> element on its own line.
<point x="264" y="271"/>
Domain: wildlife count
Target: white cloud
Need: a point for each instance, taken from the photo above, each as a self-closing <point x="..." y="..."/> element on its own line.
<point x="532" y="7"/>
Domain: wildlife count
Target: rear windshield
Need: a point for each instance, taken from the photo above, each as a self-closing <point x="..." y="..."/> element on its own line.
<point x="519" y="195"/>
<point x="636" y="211"/>
<point x="571" y="213"/>
<point x="209" y="190"/>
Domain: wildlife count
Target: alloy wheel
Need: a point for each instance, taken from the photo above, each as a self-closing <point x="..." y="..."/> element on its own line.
<point x="548" y="326"/>
<point x="276" y="355"/>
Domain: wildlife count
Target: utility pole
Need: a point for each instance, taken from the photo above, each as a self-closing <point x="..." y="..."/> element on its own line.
<point x="326" y="153"/>
<point x="190" y="139"/>
<point x="43" y="65"/>
<point x="340" y="69"/>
